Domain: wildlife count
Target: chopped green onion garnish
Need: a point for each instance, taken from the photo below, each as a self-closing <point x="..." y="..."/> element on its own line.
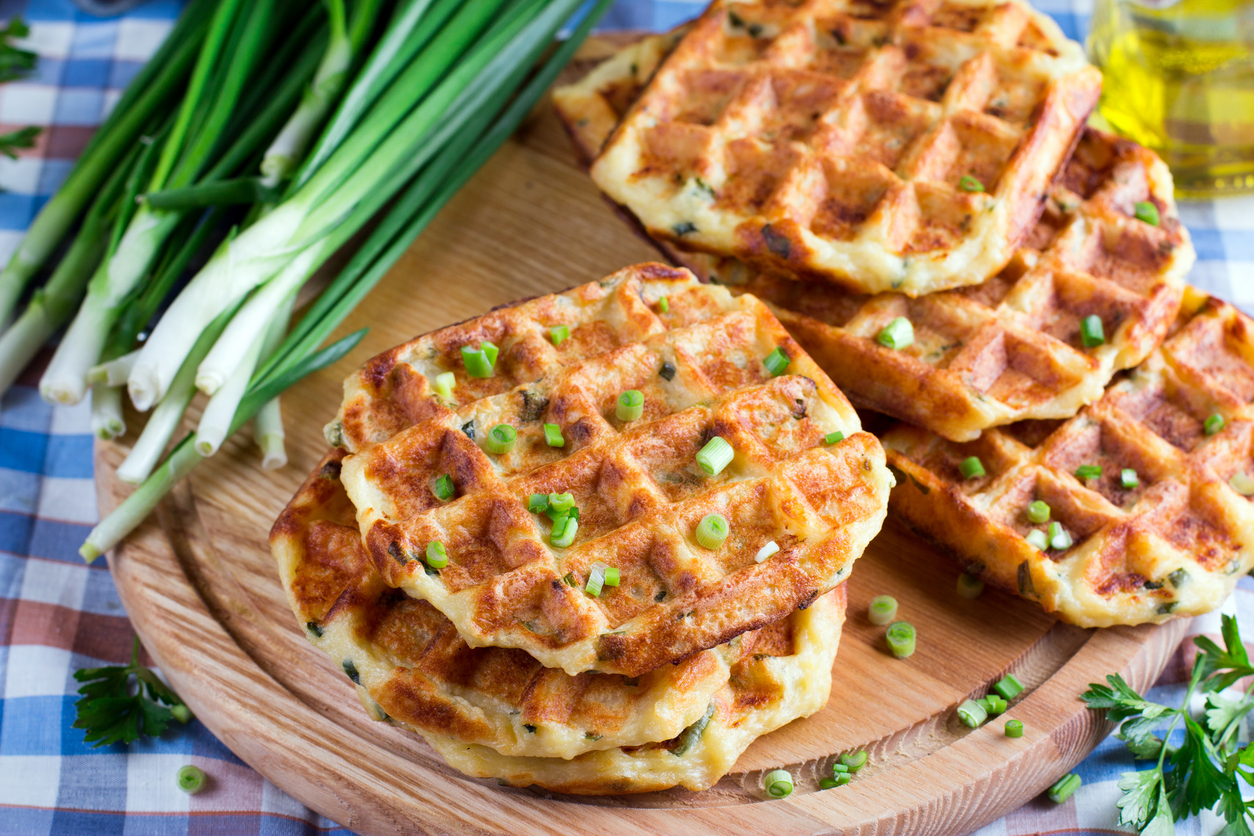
<point x="897" y="334"/>
<point x="778" y="783"/>
<point x="191" y="779"/>
<point x="437" y="556"/>
<point x="1091" y="332"/>
<point x="596" y="579"/>
<point x="1242" y="483"/>
<point x="563" y="533"/>
<point x="1214" y="424"/>
<point x="561" y="502"/>
<point x="444" y="383"/>
<point x="490" y="351"/>
<point x="500" y="439"/>
<point x="766" y="551"/>
<point x="630" y="405"/>
<point x="1146" y="211"/>
<point x="901" y="639"/>
<point x="1064" y="787"/>
<point x="715" y="455"/>
<point x="663" y="305"/>
<point x="1014" y="728"/>
<point x="444" y="488"/>
<point x="854" y="761"/>
<point x="969" y="586"/>
<point x="829" y="783"/>
<point x="839" y="767"/>
<point x="1128" y="478"/>
<point x="839" y="779"/>
<point x="834" y="437"/>
<point x="883" y="609"/>
<point x="972" y="714"/>
<point x="1059" y="539"/>
<point x="611" y="576"/>
<point x="559" y="334"/>
<point x="712" y="531"/>
<point x="538" y="503"/>
<point x="993" y="705"/>
<point x="969" y="184"/>
<point x="553" y="436"/>
<point x="776" y="362"/>
<point x="1088" y="471"/>
<point x="1008" y="687"/>
<point x="1038" y="512"/>
<point x="1038" y="540"/>
<point x="972" y="467"/>
<point x="477" y="363"/>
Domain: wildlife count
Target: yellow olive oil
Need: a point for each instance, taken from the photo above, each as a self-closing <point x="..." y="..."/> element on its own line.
<point x="1179" y="78"/>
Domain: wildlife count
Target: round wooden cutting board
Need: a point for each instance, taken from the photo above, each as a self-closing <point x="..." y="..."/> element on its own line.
<point x="203" y="592"/>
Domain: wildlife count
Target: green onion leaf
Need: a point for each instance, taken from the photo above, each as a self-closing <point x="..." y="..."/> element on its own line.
<point x="715" y="455"/>
<point x="490" y="351"/>
<point x="1038" y="512"/>
<point x="1146" y="211"/>
<point x="553" y="436"/>
<point x="972" y="714"/>
<point x="663" y="305"/>
<point x="538" y="503"/>
<point x="630" y="405"/>
<point x="969" y="586"/>
<point x="559" y="334"/>
<point x="829" y="783"/>
<point x="854" y="761"/>
<point x="1008" y="687"/>
<point x="500" y="439"/>
<point x="1038" y="540"/>
<point x="883" y="609"/>
<point x="611" y="576"/>
<point x="1214" y="424"/>
<point x="191" y="779"/>
<point x="444" y="488"/>
<point x="993" y="704"/>
<point x="833" y="438"/>
<point x="1063" y="788"/>
<point x="712" y="531"/>
<point x="969" y="184"/>
<point x="444" y="383"/>
<point x="766" y="551"/>
<point x="972" y="467"/>
<point x="1014" y="728"/>
<point x="437" y="556"/>
<point x="776" y="362"/>
<point x="778" y="783"/>
<point x="477" y="363"/>
<point x="1091" y="331"/>
<point x="897" y="334"/>
<point x="1128" y="478"/>
<point x="561" y="502"/>
<point x="564" y="529"/>
<point x="901" y="639"/>
<point x="1088" y="471"/>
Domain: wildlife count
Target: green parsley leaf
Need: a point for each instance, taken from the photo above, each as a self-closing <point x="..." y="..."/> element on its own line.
<point x="1141" y="794"/>
<point x="15" y="62"/>
<point x="21" y="138"/>
<point x="112" y="710"/>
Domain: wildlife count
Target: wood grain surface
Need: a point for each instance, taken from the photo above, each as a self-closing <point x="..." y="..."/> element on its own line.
<point x="203" y="592"/>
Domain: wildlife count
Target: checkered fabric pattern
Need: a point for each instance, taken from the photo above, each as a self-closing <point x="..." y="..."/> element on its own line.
<point x="58" y="615"/>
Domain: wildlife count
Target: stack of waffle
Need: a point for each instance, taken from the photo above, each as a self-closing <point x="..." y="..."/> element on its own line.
<point x="419" y="555"/>
<point x="1069" y="420"/>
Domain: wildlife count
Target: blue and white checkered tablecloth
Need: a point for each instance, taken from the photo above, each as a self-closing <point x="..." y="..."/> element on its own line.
<point x="57" y="614"/>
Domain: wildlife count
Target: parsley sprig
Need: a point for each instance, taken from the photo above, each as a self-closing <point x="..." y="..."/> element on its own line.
<point x="112" y="709"/>
<point x="1206" y="770"/>
<point x="15" y="62"/>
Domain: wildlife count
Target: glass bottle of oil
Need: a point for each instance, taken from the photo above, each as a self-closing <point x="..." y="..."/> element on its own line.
<point x="1179" y="78"/>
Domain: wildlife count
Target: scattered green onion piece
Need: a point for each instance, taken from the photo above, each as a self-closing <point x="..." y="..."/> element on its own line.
<point x="778" y="783"/>
<point x="854" y="761"/>
<point x="969" y="586"/>
<point x="1014" y="728"/>
<point x="1146" y="211"/>
<point x="1038" y="512"/>
<point x="630" y="405"/>
<point x="611" y="576"/>
<point x="972" y="468"/>
<point x="1088" y="471"/>
<point x="1064" y="787"/>
<point x="564" y="529"/>
<point x="828" y="783"/>
<point x="715" y="455"/>
<point x="1091" y="332"/>
<point x="596" y="579"/>
<point x="901" y="639"/>
<point x="969" y="184"/>
<point x="766" y="551"/>
<point x="1038" y="540"/>
<point x="538" y="503"/>
<point x="883" y="609"/>
<point x="559" y="334"/>
<point x="191" y="779"/>
<point x="1214" y="424"/>
<point x="490" y="351"/>
<point x="476" y="361"/>
<point x="776" y="362"/>
<point x="839" y="767"/>
<point x="444" y="488"/>
<point x="1128" y="478"/>
<point x="444" y="383"/>
<point x="712" y="531"/>
<point x="841" y="778"/>
<point x="437" y="556"/>
<point x="897" y="334"/>
<point x="1059" y="539"/>
<point x="833" y="438"/>
<point x="1242" y="483"/>
<point x="553" y="436"/>
<point x="972" y="714"/>
<point x="663" y="305"/>
<point x="561" y="502"/>
<point x="500" y="439"/>
<point x="1008" y="687"/>
<point x="994" y="705"/>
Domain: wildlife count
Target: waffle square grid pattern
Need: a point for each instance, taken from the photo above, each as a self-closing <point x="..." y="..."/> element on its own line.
<point x="637" y="484"/>
<point x="1167" y="528"/>
<point x="897" y="146"/>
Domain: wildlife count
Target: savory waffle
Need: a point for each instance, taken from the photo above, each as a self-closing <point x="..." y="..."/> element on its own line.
<point x="1165" y="530"/>
<point x="699" y="363"/>
<point x="413" y="668"/>
<point x="787" y="677"/>
<point x="897" y="146"/>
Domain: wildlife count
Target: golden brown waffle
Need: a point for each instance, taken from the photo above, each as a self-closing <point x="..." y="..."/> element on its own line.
<point x="1006" y="350"/>
<point x="830" y="139"/>
<point x="413" y="668"/>
<point x="641" y="494"/>
<point x="786" y="678"/>
<point x="1175" y="544"/>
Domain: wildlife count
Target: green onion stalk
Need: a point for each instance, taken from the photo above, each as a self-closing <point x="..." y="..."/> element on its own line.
<point x="113" y="372"/>
<point x="268" y="424"/>
<point x="297" y="356"/>
<point x="107" y="422"/>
